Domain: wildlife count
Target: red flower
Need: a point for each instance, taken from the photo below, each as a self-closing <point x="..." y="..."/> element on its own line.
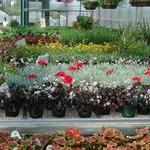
<point x="79" y="64"/>
<point x="78" y="137"/>
<point x="74" y="133"/>
<point x="147" y="72"/>
<point x="60" y="74"/>
<point x="71" y="132"/>
<point x="136" y="79"/>
<point x="31" y="76"/>
<point x="109" y="72"/>
<point x="72" y="68"/>
<point x="67" y="79"/>
<point x="42" y="62"/>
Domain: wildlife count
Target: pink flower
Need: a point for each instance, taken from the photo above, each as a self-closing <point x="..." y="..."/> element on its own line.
<point x="60" y="74"/>
<point x="136" y="79"/>
<point x="72" y="68"/>
<point x="67" y="79"/>
<point x="42" y="62"/>
<point x="31" y="76"/>
<point x="109" y="72"/>
<point x="79" y="64"/>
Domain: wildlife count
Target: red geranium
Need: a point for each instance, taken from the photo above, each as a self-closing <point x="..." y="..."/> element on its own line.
<point x="72" y="68"/>
<point x="136" y="79"/>
<point x="60" y="74"/>
<point x="67" y="79"/>
<point x="31" y="76"/>
<point x="147" y="73"/>
<point x="42" y="62"/>
<point x="109" y="72"/>
<point x="79" y="64"/>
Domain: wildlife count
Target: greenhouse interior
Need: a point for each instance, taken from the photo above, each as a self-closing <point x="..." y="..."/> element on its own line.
<point x="74" y="74"/>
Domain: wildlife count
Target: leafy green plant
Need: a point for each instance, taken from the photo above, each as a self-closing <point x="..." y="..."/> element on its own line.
<point x="145" y="28"/>
<point x="85" y="22"/>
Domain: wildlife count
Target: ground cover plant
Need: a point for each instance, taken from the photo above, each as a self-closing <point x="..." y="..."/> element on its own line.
<point x="73" y="139"/>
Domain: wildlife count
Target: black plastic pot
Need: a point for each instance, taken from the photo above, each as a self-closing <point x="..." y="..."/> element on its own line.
<point x="101" y="111"/>
<point x="143" y="110"/>
<point x="36" y="111"/>
<point x="58" y="112"/>
<point x="128" y="111"/>
<point x="84" y="113"/>
<point x="11" y="109"/>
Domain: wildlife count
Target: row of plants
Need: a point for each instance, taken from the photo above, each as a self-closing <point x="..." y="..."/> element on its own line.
<point x="94" y="53"/>
<point x="73" y="139"/>
<point x="82" y="88"/>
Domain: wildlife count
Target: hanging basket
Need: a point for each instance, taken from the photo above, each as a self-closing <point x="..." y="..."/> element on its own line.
<point x="109" y="5"/>
<point x="90" y="4"/>
<point x="140" y="3"/>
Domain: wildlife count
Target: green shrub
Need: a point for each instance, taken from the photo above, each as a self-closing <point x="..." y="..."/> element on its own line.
<point x="85" y="22"/>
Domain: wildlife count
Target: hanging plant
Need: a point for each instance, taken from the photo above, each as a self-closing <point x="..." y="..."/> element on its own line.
<point x="140" y="3"/>
<point x="90" y="4"/>
<point x="109" y="4"/>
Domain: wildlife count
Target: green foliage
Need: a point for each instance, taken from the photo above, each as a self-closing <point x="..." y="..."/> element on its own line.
<point x="7" y="34"/>
<point x="145" y="28"/>
<point x="85" y="22"/>
<point x="14" y="24"/>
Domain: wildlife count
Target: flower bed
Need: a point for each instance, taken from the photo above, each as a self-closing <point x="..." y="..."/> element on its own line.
<point x="86" y="89"/>
<point x="73" y="139"/>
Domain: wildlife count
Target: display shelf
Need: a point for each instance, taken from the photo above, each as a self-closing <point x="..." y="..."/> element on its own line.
<point x="87" y="125"/>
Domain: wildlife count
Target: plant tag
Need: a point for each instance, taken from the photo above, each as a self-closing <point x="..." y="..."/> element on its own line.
<point x="21" y="42"/>
<point x="15" y="134"/>
<point x="49" y="147"/>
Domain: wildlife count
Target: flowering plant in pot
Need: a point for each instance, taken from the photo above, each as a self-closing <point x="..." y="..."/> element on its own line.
<point x="102" y="103"/>
<point x="83" y="103"/>
<point x="90" y="4"/>
<point x="16" y="99"/>
<point x="36" y="100"/>
<point x="59" y="101"/>
<point x="130" y="104"/>
<point x="143" y="105"/>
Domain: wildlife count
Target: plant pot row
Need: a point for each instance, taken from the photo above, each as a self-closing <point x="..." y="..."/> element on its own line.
<point x="37" y="111"/>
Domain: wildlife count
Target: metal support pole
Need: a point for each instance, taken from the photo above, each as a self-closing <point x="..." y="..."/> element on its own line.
<point x="22" y="13"/>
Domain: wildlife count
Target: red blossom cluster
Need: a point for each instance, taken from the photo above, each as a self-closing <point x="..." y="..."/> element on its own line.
<point x="74" y="133"/>
<point x="77" y="65"/>
<point x="147" y="72"/>
<point x="31" y="76"/>
<point x="42" y="62"/>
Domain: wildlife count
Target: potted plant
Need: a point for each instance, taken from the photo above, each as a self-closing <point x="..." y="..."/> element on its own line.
<point x="36" y="103"/>
<point x="13" y="102"/>
<point x="90" y="4"/>
<point x="130" y="104"/>
<point x="102" y="103"/>
<point x="59" y="100"/>
<point x="83" y="103"/>
<point x="109" y="4"/>
<point x="140" y="3"/>
<point x="143" y="105"/>
<point x="84" y="22"/>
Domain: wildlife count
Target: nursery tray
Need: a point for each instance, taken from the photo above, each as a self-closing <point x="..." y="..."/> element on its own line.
<point x="87" y="125"/>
